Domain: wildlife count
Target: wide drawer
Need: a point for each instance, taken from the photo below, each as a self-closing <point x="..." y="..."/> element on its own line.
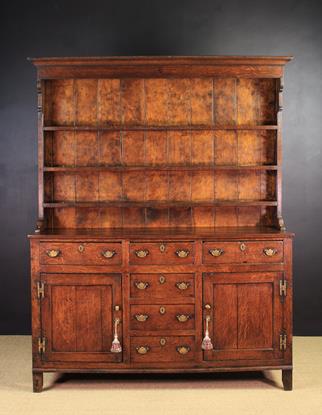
<point x="80" y="253"/>
<point x="242" y="252"/>
<point x="162" y="317"/>
<point x="151" y="253"/>
<point x="159" y="286"/>
<point x="162" y="349"/>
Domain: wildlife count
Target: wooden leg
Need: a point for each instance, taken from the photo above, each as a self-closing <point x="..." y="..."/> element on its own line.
<point x="287" y="378"/>
<point x="37" y="380"/>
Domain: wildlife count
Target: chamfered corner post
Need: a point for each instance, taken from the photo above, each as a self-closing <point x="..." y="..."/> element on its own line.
<point x="287" y="378"/>
<point x="37" y="381"/>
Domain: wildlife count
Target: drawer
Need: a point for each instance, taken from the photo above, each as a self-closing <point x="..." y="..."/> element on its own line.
<point x="151" y="253"/>
<point x="162" y="317"/>
<point x="242" y="252"/>
<point x="162" y="349"/>
<point x="152" y="286"/>
<point x="80" y="253"/>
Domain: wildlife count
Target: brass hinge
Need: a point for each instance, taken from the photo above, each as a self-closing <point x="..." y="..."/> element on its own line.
<point x="40" y="290"/>
<point x="283" y="288"/>
<point x="283" y="339"/>
<point x="41" y="345"/>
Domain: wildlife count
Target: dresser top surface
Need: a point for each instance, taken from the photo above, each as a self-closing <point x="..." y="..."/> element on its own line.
<point x="165" y="233"/>
<point x="146" y="60"/>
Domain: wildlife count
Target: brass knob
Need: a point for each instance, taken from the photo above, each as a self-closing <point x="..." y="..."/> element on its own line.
<point x="53" y="253"/>
<point x="142" y="253"/>
<point x="182" y="285"/>
<point x="163" y="342"/>
<point x="162" y="279"/>
<point x="142" y="349"/>
<point x="141" y="317"/>
<point x="182" y="253"/>
<point x="81" y="248"/>
<point x="108" y="254"/>
<point x="207" y="306"/>
<point x="140" y="285"/>
<point x="242" y="246"/>
<point x="216" y="252"/>
<point x="117" y="308"/>
<point x="270" y="251"/>
<point x="183" y="317"/>
<point x="162" y="310"/>
<point x="183" y="349"/>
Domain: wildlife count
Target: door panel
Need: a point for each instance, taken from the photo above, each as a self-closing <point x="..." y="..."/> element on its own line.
<point x="246" y="315"/>
<point x="77" y="317"/>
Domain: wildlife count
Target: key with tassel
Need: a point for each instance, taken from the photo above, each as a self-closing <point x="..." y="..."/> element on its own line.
<point x="206" y="342"/>
<point x="116" y="345"/>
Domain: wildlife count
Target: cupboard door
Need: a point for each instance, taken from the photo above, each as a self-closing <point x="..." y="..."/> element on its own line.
<point x="77" y="314"/>
<point x="245" y="315"/>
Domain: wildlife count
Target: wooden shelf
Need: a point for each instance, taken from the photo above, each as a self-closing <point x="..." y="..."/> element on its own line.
<point x="86" y="169"/>
<point x="157" y="127"/>
<point x="161" y="204"/>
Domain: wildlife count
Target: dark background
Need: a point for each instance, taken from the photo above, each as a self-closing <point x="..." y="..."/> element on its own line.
<point x="148" y="27"/>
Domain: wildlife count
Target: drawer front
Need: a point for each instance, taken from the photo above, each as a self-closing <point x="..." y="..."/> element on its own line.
<point x="152" y="253"/>
<point x="162" y="317"/>
<point x="152" y="286"/>
<point x="162" y="349"/>
<point x="80" y="253"/>
<point x="243" y="252"/>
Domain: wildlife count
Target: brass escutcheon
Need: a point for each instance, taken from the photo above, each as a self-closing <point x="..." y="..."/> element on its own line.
<point x="81" y="248"/>
<point x="162" y="248"/>
<point x="242" y="246"/>
<point x="162" y="310"/>
<point x="162" y="279"/>
<point x="163" y="342"/>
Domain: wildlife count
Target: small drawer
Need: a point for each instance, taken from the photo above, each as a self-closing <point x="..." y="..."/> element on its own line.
<point x="152" y="286"/>
<point x="162" y="317"/>
<point x="152" y="253"/>
<point x="162" y="349"/>
<point x="80" y="253"/>
<point x="242" y="252"/>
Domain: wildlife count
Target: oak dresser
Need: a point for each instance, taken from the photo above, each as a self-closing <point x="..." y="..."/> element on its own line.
<point x="160" y="244"/>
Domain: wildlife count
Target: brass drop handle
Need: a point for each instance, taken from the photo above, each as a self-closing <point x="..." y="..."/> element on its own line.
<point x="182" y="253"/>
<point x="270" y="251"/>
<point x="53" y="253"/>
<point x="182" y="285"/>
<point x="216" y="252"/>
<point x="182" y="318"/>
<point x="141" y="317"/>
<point x="142" y="253"/>
<point x="108" y="254"/>
<point x="142" y="349"/>
<point x="183" y="349"/>
<point x="140" y="285"/>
